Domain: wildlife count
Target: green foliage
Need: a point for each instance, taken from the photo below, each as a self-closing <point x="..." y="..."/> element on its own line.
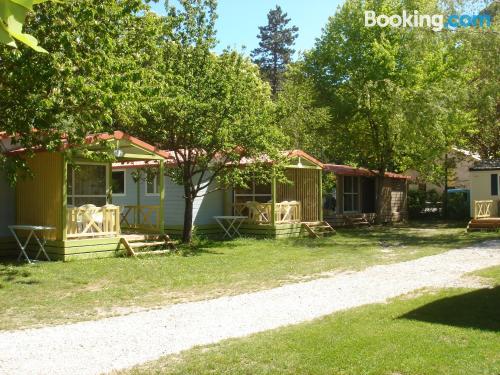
<point x="424" y="204"/>
<point x="416" y="203"/>
<point x="212" y="111"/>
<point x="483" y="89"/>
<point x="457" y="206"/>
<point x="78" y="87"/>
<point x="390" y="90"/>
<point x="300" y="117"/>
<point x="275" y="47"/>
<point x="12" y="16"/>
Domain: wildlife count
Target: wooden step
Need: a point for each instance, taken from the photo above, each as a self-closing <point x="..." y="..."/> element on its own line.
<point x="136" y="245"/>
<point x="140" y="244"/>
<point x="317" y="230"/>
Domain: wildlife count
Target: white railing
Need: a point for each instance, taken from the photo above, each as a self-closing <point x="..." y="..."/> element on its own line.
<point x="482" y="209"/>
<point x="141" y="217"/>
<point x="92" y="221"/>
<point x="261" y="213"/>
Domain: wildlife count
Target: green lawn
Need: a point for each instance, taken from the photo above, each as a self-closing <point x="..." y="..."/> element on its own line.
<point x="450" y="332"/>
<point x="51" y="293"/>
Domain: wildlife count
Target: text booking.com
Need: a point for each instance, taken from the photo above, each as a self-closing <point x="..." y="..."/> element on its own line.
<point x="436" y="22"/>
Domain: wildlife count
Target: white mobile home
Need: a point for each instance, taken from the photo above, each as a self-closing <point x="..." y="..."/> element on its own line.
<point x="485" y="195"/>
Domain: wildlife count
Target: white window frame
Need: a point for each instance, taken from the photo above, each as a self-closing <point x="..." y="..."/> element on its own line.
<point x="156" y="187"/>
<point x="113" y="194"/>
<point x="252" y="194"/>
<point x="73" y="196"/>
<point x="352" y="194"/>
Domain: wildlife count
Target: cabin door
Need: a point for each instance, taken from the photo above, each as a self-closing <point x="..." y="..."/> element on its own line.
<point x="368" y="195"/>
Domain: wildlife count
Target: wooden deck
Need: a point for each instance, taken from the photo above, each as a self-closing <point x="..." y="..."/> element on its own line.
<point x="484" y="224"/>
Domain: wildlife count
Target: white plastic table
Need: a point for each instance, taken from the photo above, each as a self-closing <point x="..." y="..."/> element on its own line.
<point x="230" y="224"/>
<point x="32" y="229"/>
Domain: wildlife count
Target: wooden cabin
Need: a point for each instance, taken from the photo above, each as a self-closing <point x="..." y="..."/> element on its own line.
<point x="281" y="209"/>
<point x="485" y="195"/>
<point x="354" y="200"/>
<point x="76" y="198"/>
<point x="273" y="209"/>
<point x="129" y="191"/>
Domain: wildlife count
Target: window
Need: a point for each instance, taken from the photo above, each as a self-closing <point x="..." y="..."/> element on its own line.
<point x="153" y="186"/>
<point x="351" y="194"/>
<point x="118" y="182"/>
<point x="255" y="192"/>
<point x="494" y="184"/>
<point x="87" y="184"/>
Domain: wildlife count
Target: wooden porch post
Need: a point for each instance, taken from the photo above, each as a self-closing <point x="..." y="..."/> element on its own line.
<point x="161" y="176"/>
<point x="320" y="195"/>
<point x="110" y="181"/>
<point x="138" y="202"/>
<point x="64" y="205"/>
<point x="273" y="200"/>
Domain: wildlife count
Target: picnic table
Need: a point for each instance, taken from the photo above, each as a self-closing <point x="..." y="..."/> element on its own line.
<point x="32" y="229"/>
<point x="230" y="224"/>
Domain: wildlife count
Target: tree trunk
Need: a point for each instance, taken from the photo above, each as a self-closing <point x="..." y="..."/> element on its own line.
<point x="379" y="207"/>
<point x="187" y="232"/>
<point x="445" y="193"/>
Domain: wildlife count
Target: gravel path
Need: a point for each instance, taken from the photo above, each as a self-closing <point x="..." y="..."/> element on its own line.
<point x="100" y="346"/>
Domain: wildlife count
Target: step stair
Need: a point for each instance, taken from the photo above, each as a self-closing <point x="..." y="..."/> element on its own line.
<point x="486" y="224"/>
<point x="319" y="229"/>
<point x="138" y="244"/>
<point x="356" y="221"/>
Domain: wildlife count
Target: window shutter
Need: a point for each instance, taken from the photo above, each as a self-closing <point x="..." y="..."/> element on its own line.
<point x="494" y="184"/>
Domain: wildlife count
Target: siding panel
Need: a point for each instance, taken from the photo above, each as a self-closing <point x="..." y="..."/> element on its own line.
<point x="39" y="199"/>
<point x="8" y="206"/>
<point x="204" y="207"/>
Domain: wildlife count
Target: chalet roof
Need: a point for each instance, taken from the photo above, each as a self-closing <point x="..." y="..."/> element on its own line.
<point x="347" y="170"/>
<point x="115" y="136"/>
<point x="170" y="160"/>
<point x="289" y="154"/>
<point x="486" y="165"/>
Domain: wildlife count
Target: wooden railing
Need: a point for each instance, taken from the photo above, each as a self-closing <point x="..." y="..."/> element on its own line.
<point x="482" y="209"/>
<point x="141" y="217"/>
<point x="261" y="213"/>
<point x="92" y="221"/>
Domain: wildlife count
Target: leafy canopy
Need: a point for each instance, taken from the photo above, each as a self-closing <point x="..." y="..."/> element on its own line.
<point x="390" y="90"/>
<point x="212" y="111"/>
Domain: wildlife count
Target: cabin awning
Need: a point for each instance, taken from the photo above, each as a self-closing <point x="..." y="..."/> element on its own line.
<point x="125" y="147"/>
<point x="347" y="170"/>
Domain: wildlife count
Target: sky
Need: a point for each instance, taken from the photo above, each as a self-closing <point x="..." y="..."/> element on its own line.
<point x="239" y="20"/>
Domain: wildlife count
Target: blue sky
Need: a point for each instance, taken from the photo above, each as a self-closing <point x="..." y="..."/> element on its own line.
<point x="239" y="20"/>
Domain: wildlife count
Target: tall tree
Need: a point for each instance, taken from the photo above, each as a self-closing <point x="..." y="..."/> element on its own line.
<point x="390" y="90"/>
<point x="299" y="116"/>
<point x="275" y="47"/>
<point x="212" y="111"/>
<point x="76" y="88"/>
<point x="483" y="87"/>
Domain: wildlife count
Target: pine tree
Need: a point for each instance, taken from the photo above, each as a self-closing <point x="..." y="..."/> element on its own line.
<point x="275" y="47"/>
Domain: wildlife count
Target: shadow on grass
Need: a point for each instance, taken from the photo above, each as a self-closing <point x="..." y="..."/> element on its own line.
<point x="206" y="246"/>
<point x="479" y="309"/>
<point x="386" y="236"/>
<point x="11" y="273"/>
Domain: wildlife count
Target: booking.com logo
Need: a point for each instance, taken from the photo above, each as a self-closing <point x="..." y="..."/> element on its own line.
<point x="436" y="22"/>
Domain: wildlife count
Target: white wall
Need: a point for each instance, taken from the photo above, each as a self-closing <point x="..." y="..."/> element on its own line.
<point x="7" y="206"/>
<point x="204" y="208"/>
<point x="481" y="189"/>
